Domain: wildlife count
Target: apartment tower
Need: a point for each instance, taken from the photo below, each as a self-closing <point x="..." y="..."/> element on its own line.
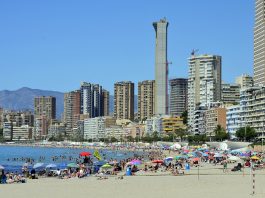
<point x="178" y="96"/>
<point x="124" y="100"/>
<point x="146" y="99"/>
<point x="161" y="68"/>
<point x="259" y="44"/>
<point x="204" y="83"/>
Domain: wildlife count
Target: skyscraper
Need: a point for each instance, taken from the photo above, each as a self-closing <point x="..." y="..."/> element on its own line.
<point x="45" y="106"/>
<point x="91" y="99"/>
<point x="105" y="102"/>
<point x="146" y="99"/>
<point x="204" y="83"/>
<point x="259" y="43"/>
<point x="161" y="68"/>
<point x="72" y="109"/>
<point x="124" y="100"/>
<point x="44" y="112"/>
<point x="178" y="96"/>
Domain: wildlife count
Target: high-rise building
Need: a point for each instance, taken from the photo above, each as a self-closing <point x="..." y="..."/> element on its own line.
<point x="44" y="112"/>
<point x="124" y="100"/>
<point x="72" y="110"/>
<point x="244" y="81"/>
<point x="204" y="83"/>
<point x="161" y="68"/>
<point x="178" y="96"/>
<point x="259" y="44"/>
<point x="91" y="99"/>
<point x="105" y="102"/>
<point x="230" y="93"/>
<point x="45" y="106"/>
<point x="146" y="99"/>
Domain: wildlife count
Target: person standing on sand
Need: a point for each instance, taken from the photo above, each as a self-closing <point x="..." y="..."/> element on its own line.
<point x="225" y="166"/>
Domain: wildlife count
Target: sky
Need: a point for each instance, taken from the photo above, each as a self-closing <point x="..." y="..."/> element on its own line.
<point x="57" y="44"/>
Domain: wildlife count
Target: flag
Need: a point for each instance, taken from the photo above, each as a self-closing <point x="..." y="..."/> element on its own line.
<point x="97" y="155"/>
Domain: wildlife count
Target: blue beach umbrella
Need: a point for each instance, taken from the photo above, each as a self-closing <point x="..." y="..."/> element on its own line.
<point x="1" y="167"/>
<point x="38" y="165"/>
<point x="51" y="166"/>
<point x="62" y="166"/>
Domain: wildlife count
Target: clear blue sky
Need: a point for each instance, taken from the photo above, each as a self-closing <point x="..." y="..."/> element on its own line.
<point x="56" y="44"/>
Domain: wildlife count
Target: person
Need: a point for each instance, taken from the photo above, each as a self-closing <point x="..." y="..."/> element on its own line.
<point x="3" y="177"/>
<point x="33" y="174"/>
<point x="225" y="166"/>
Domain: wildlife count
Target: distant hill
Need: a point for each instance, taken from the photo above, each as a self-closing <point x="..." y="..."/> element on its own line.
<point x="23" y="98"/>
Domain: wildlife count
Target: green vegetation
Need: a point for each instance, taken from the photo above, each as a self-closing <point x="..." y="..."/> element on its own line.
<point x="185" y="117"/>
<point x="246" y="133"/>
<point x="220" y="134"/>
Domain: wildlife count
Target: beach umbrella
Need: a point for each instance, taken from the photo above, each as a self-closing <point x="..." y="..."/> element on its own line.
<point x="217" y="155"/>
<point x="106" y="166"/>
<point x="25" y="165"/>
<point x="1" y="167"/>
<point x="158" y="161"/>
<point x="72" y="165"/>
<point x="99" y="163"/>
<point x="38" y="165"/>
<point x="51" y="166"/>
<point x="233" y="158"/>
<point x="195" y="159"/>
<point x="168" y="159"/>
<point x="135" y="162"/>
<point x="255" y="158"/>
<point x="62" y="166"/>
<point x="205" y="155"/>
<point x="84" y="153"/>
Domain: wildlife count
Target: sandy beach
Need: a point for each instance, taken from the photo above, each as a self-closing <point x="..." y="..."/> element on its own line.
<point x="212" y="182"/>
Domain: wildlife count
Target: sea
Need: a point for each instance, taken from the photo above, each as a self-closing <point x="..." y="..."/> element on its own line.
<point x="12" y="158"/>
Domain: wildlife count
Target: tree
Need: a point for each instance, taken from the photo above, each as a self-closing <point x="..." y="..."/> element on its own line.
<point x="185" y="117"/>
<point x="155" y="136"/>
<point x="180" y="133"/>
<point x="246" y="133"/>
<point x="220" y="133"/>
<point x="130" y="139"/>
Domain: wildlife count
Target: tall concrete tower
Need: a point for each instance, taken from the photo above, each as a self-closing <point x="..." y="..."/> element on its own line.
<point x="259" y="44"/>
<point x="161" y="70"/>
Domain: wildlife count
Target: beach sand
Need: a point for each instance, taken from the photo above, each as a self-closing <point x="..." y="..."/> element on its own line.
<point x="212" y="183"/>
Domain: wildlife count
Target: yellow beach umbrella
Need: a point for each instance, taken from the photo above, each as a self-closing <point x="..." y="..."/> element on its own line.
<point x="255" y="158"/>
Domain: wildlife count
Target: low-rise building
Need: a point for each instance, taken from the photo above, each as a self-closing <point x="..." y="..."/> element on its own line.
<point x="117" y="132"/>
<point x="154" y="124"/>
<point x="7" y="131"/>
<point x="21" y="133"/>
<point x="94" y="128"/>
<point x="172" y="124"/>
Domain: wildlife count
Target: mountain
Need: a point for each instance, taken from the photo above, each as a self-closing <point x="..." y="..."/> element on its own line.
<point x="23" y="98"/>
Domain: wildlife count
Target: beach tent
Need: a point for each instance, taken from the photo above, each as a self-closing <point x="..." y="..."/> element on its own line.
<point x="38" y="165"/>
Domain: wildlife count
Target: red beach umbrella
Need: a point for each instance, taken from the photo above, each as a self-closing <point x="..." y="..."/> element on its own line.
<point x="157" y="161"/>
<point x="84" y="153"/>
<point x="195" y="159"/>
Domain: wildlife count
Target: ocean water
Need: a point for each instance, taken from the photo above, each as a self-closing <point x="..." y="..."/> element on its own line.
<point x="13" y="157"/>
